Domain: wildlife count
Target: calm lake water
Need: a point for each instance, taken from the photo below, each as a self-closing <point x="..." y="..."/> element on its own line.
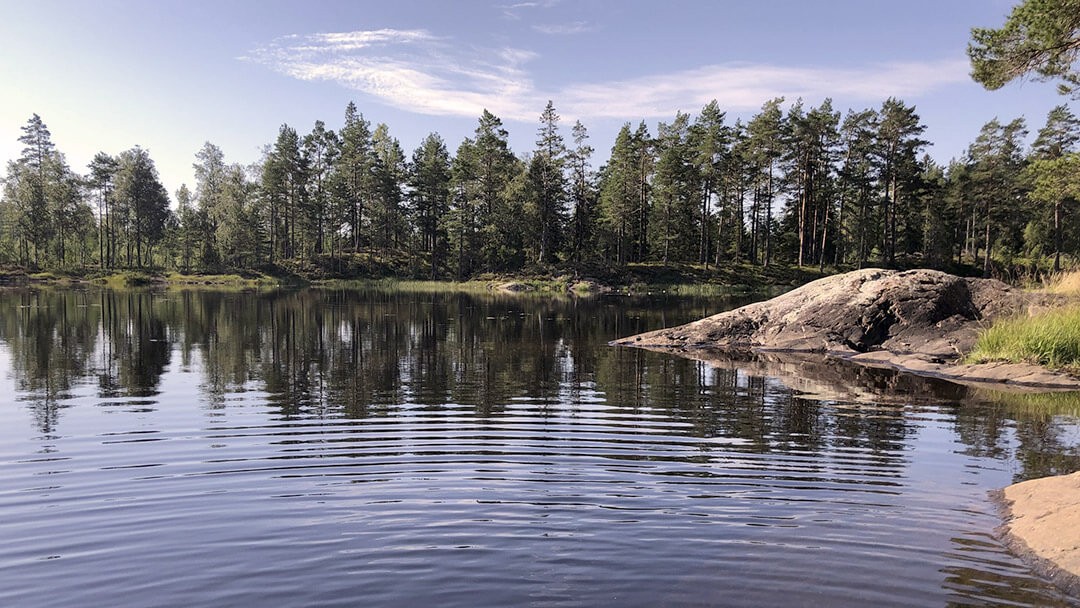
<point x="394" y="448"/>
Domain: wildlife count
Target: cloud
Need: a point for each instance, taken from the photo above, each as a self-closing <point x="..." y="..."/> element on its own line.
<point x="409" y="69"/>
<point x="417" y="71"/>
<point x="746" y="86"/>
<point x="564" y="29"/>
<point x="513" y="10"/>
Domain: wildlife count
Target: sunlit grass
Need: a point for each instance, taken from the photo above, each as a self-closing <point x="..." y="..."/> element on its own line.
<point x="231" y="280"/>
<point x="1066" y="283"/>
<point x="548" y="287"/>
<point x="496" y="285"/>
<point x="1051" y="339"/>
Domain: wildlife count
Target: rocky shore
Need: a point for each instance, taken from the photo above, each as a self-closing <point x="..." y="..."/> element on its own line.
<point x="1042" y="525"/>
<point x="917" y="321"/>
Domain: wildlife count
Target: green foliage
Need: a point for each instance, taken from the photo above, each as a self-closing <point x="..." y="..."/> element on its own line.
<point x="793" y="186"/>
<point x="429" y="179"/>
<point x="145" y="205"/>
<point x="44" y="209"/>
<point x="583" y="194"/>
<point x="545" y="189"/>
<point x="675" y="192"/>
<point x="1040" y="37"/>
<point x="1052" y="339"/>
<point x="484" y="224"/>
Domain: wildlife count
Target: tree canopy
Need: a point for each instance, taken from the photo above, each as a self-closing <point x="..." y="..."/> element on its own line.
<point x="1040" y="37"/>
<point x="794" y="184"/>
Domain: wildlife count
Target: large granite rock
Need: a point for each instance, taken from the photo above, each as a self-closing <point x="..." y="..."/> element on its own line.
<point x="919" y="321"/>
<point x="918" y="311"/>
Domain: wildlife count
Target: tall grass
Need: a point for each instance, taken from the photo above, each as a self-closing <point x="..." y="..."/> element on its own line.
<point x="1067" y="283"/>
<point x="1051" y="339"/>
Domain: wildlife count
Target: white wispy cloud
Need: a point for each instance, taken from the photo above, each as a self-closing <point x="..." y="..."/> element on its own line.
<point x="417" y="71"/>
<point x="746" y="86"/>
<point x="409" y="69"/>
<point x="564" y="29"/>
<point x="514" y="9"/>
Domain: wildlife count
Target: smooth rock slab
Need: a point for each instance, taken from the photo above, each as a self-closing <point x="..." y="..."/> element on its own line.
<point x="924" y="311"/>
<point x="919" y="321"/>
<point x="1042" y="525"/>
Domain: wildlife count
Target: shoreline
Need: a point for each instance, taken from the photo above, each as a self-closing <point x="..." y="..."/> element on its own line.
<point x="1041" y="526"/>
<point x="510" y="284"/>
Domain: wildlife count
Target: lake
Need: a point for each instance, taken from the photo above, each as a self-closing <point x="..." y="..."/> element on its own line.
<point x="382" y="447"/>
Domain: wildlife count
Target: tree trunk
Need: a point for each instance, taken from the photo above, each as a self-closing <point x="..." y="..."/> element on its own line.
<point x="824" y="233"/>
<point x="1057" y="236"/>
<point x="768" y="218"/>
<point x="803" y="195"/>
<point x="986" y="253"/>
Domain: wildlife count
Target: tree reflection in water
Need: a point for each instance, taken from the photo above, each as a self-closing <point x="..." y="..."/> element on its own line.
<point x="509" y="411"/>
<point x="323" y="353"/>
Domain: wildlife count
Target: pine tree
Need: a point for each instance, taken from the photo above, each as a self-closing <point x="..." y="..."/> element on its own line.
<point x="675" y="191"/>
<point x="996" y="161"/>
<point x="487" y="221"/>
<point x="389" y="177"/>
<point x="856" y="182"/>
<point x="355" y="165"/>
<point x="768" y="132"/>
<point x="582" y="193"/>
<point x="709" y="140"/>
<point x="1059" y="138"/>
<point x="1056" y="183"/>
<point x="1040" y="36"/>
<point x="429" y="180"/>
<point x="319" y="152"/>
<point x="284" y="189"/>
<point x="141" y="194"/>
<point x="209" y="182"/>
<point x="547" y="185"/>
<point x="30" y="186"/>
<point x="618" y="197"/>
<point x="811" y="156"/>
<point x="189" y="229"/>
<point x="102" y="178"/>
<point x="898" y="146"/>
<point x="643" y="158"/>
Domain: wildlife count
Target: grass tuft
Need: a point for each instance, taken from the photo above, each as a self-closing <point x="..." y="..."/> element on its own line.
<point x="1051" y="339"/>
<point x="1067" y="283"/>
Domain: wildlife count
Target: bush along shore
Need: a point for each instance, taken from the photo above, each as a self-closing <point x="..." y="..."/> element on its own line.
<point x="684" y="279"/>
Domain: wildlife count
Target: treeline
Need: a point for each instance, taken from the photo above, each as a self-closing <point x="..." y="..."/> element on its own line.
<point x="794" y="185"/>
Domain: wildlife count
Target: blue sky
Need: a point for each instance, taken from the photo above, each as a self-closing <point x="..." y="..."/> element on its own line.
<point x="170" y="75"/>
